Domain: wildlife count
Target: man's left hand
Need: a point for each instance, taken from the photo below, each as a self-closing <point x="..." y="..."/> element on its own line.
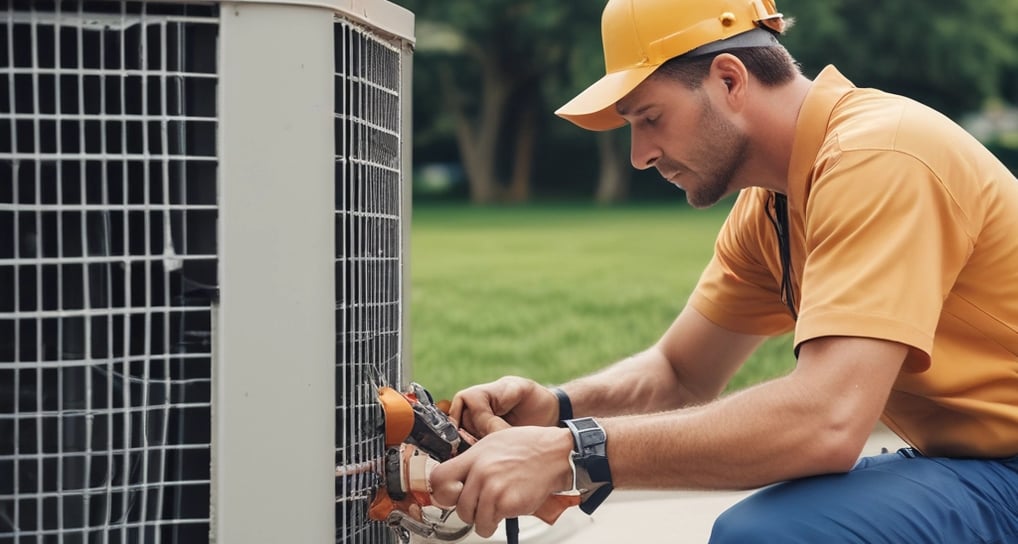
<point x="506" y="474"/>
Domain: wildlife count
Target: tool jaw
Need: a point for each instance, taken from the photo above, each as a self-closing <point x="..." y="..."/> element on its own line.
<point x="418" y="436"/>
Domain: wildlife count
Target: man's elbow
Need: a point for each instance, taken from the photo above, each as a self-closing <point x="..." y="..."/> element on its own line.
<point x="838" y="448"/>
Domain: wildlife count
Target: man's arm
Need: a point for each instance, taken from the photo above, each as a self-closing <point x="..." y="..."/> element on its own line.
<point x="689" y="365"/>
<point x="815" y="420"/>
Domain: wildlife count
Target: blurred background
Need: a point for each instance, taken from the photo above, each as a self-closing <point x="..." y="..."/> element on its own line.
<point x="537" y="250"/>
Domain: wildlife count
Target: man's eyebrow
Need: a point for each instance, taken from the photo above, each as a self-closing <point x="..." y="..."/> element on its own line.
<point x="623" y="111"/>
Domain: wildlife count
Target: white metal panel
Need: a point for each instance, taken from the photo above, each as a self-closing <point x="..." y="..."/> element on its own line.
<point x="274" y="400"/>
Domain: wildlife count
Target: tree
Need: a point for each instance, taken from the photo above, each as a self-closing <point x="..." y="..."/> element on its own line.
<point x="491" y="57"/>
<point x="582" y="66"/>
<point x="950" y="55"/>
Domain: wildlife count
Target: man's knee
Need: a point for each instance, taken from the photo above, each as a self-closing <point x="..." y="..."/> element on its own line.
<point x="781" y="513"/>
<point x="747" y="523"/>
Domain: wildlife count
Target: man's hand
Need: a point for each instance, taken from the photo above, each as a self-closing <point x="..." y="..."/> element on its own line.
<point x="507" y="474"/>
<point x="510" y="401"/>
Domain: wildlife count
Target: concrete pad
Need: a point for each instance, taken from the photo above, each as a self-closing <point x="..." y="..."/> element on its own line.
<point x="649" y="516"/>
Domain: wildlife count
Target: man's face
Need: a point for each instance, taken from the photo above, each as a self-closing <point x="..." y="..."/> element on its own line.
<point x="679" y="132"/>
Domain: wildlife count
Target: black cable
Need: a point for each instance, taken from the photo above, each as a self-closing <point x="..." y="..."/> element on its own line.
<point x="779" y="219"/>
<point x="512" y="531"/>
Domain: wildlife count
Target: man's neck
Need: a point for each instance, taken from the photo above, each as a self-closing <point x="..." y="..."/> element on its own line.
<point x="771" y="120"/>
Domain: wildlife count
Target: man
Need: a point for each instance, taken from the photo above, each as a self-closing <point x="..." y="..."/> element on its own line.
<point x="875" y="228"/>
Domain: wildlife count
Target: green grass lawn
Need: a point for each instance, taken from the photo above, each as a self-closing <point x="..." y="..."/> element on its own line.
<point x="552" y="292"/>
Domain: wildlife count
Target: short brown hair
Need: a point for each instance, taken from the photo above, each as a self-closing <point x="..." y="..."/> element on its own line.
<point x="771" y="65"/>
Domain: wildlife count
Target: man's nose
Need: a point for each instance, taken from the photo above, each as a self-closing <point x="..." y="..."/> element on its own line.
<point x="642" y="154"/>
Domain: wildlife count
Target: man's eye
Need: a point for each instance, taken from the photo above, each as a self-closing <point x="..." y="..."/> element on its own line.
<point x="651" y="121"/>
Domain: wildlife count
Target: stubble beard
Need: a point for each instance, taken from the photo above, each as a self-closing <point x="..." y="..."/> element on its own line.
<point x="722" y="150"/>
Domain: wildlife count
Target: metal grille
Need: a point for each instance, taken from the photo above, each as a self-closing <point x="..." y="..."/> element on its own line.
<point x="107" y="267"/>
<point x="369" y="266"/>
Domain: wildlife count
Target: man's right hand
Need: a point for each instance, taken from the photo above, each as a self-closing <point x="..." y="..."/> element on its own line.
<point x="508" y="402"/>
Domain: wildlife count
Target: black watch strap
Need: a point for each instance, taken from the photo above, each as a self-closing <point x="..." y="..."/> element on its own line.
<point x="565" y="406"/>
<point x="591" y="456"/>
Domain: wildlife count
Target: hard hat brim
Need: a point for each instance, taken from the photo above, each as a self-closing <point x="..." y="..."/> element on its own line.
<point x="594" y="108"/>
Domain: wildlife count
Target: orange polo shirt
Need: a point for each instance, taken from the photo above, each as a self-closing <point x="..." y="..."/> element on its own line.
<point x="903" y="228"/>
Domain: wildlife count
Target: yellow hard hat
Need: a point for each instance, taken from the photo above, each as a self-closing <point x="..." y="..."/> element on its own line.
<point x="640" y="35"/>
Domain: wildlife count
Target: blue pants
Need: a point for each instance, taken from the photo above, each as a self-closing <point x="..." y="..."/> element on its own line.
<point x="894" y="498"/>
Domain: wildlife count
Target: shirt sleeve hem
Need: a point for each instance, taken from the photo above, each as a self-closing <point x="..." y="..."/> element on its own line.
<point x="763" y="326"/>
<point x="879" y="327"/>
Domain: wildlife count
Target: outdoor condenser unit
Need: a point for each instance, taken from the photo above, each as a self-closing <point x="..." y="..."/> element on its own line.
<point x="204" y="219"/>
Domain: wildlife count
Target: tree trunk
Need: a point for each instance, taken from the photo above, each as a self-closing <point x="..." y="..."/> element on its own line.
<point x="523" y="161"/>
<point x="615" y="170"/>
<point x="478" y="142"/>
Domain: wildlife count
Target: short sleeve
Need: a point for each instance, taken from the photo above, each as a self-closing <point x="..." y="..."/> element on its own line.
<point x="739" y="289"/>
<point x="885" y="242"/>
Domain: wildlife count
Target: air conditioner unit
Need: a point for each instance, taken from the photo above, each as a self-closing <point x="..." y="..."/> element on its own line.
<point x="204" y="215"/>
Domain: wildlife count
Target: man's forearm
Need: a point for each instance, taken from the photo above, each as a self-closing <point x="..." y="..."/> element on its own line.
<point x="690" y="365"/>
<point x="643" y="383"/>
<point x="786" y="428"/>
<point x="753" y="438"/>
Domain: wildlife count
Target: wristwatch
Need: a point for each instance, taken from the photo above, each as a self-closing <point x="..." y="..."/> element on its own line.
<point x="590" y="457"/>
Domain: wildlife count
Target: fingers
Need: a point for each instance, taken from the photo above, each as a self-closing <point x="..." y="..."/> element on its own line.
<point x="475" y="408"/>
<point x="448" y="490"/>
<point x="506" y="474"/>
<point x="447" y="482"/>
<point x="514" y="401"/>
<point x="487" y="423"/>
<point x="456" y="409"/>
<point x="486" y="518"/>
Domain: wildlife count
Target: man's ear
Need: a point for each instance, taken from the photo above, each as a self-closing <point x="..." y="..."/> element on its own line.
<point x="732" y="78"/>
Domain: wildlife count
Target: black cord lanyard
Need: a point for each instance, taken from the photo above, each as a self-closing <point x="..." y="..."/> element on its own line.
<point x="779" y="219"/>
<point x="512" y="531"/>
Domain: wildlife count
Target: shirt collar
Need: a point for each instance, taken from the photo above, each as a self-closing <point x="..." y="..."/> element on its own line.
<point x="811" y="129"/>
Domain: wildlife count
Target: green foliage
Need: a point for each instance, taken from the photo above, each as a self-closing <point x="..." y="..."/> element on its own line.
<point x="950" y="55"/>
<point x="553" y="292"/>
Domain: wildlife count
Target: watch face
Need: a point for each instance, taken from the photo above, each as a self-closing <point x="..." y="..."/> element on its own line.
<point x="592" y="437"/>
<point x="588" y="430"/>
<point x="587" y="433"/>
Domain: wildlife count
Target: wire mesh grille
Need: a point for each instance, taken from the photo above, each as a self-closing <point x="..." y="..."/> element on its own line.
<point x="369" y="226"/>
<point x="107" y="270"/>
